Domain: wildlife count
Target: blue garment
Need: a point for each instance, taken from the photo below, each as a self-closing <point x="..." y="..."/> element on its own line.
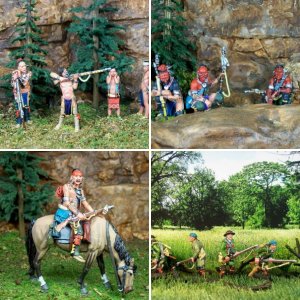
<point x="170" y="105"/>
<point x="68" y="107"/>
<point x="141" y="98"/>
<point x="62" y="215"/>
<point x="26" y="109"/>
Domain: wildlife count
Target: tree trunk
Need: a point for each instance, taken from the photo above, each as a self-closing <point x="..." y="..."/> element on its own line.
<point x="28" y="28"/>
<point x="96" y="94"/>
<point x="20" y="196"/>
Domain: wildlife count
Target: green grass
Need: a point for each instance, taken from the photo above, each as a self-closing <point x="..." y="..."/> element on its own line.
<point x="285" y="285"/>
<point x="97" y="132"/>
<point x="61" y="273"/>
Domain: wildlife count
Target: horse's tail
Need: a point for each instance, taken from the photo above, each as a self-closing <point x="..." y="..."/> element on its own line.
<point x="30" y="248"/>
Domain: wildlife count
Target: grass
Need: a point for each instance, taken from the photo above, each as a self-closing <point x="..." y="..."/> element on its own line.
<point x="285" y="283"/>
<point x="61" y="273"/>
<point x="97" y="132"/>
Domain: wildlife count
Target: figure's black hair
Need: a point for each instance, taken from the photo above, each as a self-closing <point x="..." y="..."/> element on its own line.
<point x="60" y="70"/>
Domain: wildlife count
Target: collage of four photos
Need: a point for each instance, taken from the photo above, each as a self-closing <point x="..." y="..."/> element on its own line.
<point x="149" y="149"/>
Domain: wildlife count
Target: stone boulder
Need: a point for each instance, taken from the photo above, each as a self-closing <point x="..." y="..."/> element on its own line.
<point x="258" y="126"/>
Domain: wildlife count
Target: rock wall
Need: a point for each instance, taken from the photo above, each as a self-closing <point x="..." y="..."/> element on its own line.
<point x="55" y="18"/>
<point x="114" y="178"/>
<point x="257" y="33"/>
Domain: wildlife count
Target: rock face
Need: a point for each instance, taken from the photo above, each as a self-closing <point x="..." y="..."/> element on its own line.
<point x="55" y="17"/>
<point x="258" y="126"/>
<point x="258" y="34"/>
<point x="114" y="178"/>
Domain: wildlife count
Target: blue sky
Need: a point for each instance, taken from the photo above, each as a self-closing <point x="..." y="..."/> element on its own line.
<point x="227" y="163"/>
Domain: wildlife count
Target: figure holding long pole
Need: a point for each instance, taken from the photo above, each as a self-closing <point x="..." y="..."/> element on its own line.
<point x="21" y="89"/>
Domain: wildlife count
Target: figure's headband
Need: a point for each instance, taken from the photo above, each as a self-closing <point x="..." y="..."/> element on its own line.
<point x="145" y="63"/>
<point x="77" y="172"/>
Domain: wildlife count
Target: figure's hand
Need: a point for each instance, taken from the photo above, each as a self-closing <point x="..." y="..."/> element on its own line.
<point x="81" y="216"/>
<point x="155" y="93"/>
<point x="29" y="74"/>
<point x="192" y="259"/>
<point x="227" y="259"/>
<point x="76" y="76"/>
<point x="166" y="93"/>
<point x="16" y="75"/>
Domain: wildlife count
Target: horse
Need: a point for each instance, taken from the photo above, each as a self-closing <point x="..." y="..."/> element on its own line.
<point x="104" y="236"/>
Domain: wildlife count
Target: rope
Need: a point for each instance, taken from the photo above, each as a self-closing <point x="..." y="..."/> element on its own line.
<point x="227" y="86"/>
<point x="86" y="79"/>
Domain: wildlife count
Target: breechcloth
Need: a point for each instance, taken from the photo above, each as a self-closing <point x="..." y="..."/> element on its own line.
<point x="68" y="106"/>
<point x="26" y="109"/>
<point x="141" y="98"/>
<point x="62" y="215"/>
<point x="113" y="102"/>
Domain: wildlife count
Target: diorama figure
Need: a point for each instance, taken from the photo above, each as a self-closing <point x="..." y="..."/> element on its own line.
<point x="72" y="200"/>
<point x="199" y="254"/>
<point x="199" y="98"/>
<point x="279" y="91"/>
<point x="113" y="92"/>
<point x="160" y="256"/>
<point x="68" y="100"/>
<point x="144" y="91"/>
<point x="258" y="263"/>
<point x="167" y="94"/>
<point x="226" y="254"/>
<point x="21" y="89"/>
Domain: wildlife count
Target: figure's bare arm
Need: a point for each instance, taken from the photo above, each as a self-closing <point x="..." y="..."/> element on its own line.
<point x="75" y="81"/>
<point x="108" y="79"/>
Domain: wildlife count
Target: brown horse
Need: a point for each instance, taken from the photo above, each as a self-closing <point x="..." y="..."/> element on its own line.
<point x="103" y="237"/>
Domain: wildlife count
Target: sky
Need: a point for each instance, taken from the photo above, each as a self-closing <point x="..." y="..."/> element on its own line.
<point x="227" y="163"/>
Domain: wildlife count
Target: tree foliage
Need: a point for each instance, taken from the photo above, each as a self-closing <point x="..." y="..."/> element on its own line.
<point x="168" y="35"/>
<point x="30" y="47"/>
<point x="99" y="43"/>
<point x="35" y="192"/>
<point x="263" y="194"/>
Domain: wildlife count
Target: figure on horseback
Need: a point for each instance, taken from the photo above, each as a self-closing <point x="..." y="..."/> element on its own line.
<point x="72" y="198"/>
<point x="103" y="236"/>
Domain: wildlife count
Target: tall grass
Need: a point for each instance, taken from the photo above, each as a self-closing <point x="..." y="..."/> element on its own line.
<point x="230" y="287"/>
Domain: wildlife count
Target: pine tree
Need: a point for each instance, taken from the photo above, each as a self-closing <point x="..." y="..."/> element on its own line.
<point x="99" y="45"/>
<point x="169" y="38"/>
<point x="22" y="192"/>
<point x="32" y="52"/>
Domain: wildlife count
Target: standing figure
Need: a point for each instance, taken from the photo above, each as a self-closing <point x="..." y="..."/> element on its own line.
<point x="266" y="252"/>
<point x="227" y="251"/>
<point x="72" y="199"/>
<point x="144" y="91"/>
<point x="199" y="254"/>
<point x="170" y="92"/>
<point x="198" y="97"/>
<point x="68" y="99"/>
<point x="113" y="92"/>
<point x="280" y="87"/>
<point x="21" y="89"/>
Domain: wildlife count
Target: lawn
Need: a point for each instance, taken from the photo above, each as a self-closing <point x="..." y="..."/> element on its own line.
<point x="61" y="273"/>
<point x="285" y="282"/>
<point x="97" y="131"/>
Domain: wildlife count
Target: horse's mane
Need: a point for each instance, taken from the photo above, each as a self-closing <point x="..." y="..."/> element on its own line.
<point x="120" y="247"/>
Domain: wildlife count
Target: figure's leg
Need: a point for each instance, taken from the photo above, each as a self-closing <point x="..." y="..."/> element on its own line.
<point x="62" y="114"/>
<point x="18" y="116"/>
<point x="78" y="234"/>
<point x="37" y="267"/>
<point x="109" y="112"/>
<point x="101" y="266"/>
<point x="146" y="103"/>
<point x="76" y="114"/>
<point x="89" y="261"/>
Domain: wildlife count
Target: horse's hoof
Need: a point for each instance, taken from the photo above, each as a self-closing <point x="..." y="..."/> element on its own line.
<point x="84" y="291"/>
<point x="44" y="288"/>
<point x="108" y="285"/>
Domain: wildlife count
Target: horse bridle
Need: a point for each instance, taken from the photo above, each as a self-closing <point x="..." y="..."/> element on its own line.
<point x="125" y="268"/>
